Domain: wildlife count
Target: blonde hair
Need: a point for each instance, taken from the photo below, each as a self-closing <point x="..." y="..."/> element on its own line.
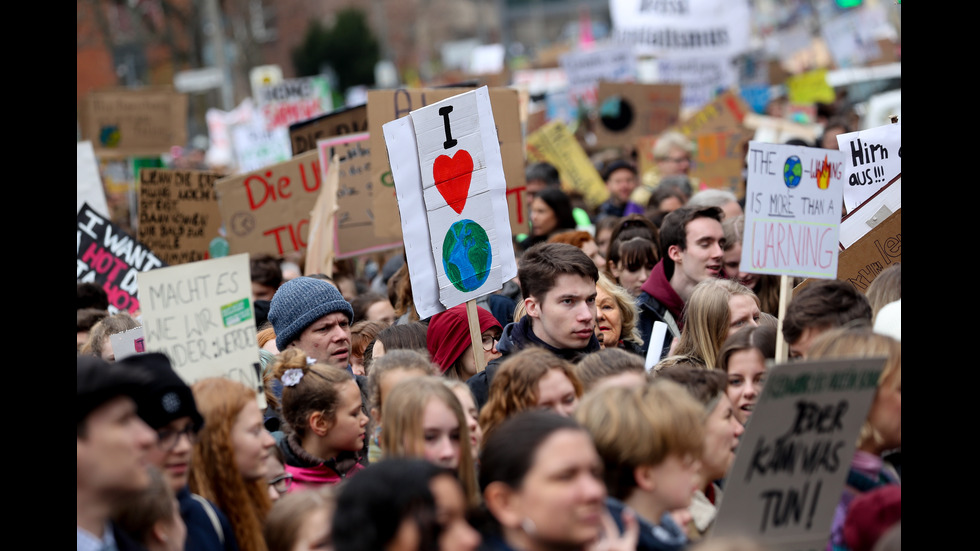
<point x="640" y="426"/>
<point x="628" y="312"/>
<point x="403" y="433"/>
<point x="288" y="514"/>
<point x="707" y="319"/>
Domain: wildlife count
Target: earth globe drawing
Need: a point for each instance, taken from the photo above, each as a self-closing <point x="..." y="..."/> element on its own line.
<point x="792" y="171"/>
<point x="466" y="255"/>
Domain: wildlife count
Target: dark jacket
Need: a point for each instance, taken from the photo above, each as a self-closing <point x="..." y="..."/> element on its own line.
<point x="657" y="299"/>
<point x="203" y="529"/>
<point x="516" y="337"/>
<point x="666" y="536"/>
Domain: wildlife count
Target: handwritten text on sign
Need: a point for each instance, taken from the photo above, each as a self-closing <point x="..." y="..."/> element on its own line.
<point x="200" y="315"/>
<point x="794" y="457"/>
<point x="112" y="258"/>
<point x="792" y="210"/>
<point x="178" y="213"/>
<point x="872" y="158"/>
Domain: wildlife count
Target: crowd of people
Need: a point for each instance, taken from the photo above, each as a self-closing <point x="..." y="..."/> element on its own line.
<point x="567" y="425"/>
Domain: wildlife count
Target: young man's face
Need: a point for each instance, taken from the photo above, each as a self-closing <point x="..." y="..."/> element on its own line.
<point x="113" y="455"/>
<point x="565" y="316"/>
<point x="327" y="340"/>
<point x="704" y="256"/>
<point x="621" y="184"/>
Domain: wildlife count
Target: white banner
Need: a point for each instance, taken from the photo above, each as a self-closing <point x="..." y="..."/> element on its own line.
<point x="682" y="27"/>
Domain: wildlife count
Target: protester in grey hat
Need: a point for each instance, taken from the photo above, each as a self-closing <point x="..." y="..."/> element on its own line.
<point x="169" y="409"/>
<point x="312" y="315"/>
<point x="112" y="444"/>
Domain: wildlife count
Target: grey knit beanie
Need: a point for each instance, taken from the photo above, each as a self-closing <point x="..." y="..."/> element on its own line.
<point x="301" y="301"/>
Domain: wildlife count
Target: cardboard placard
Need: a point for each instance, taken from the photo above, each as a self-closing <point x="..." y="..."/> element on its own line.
<point x="108" y="256"/>
<point x="387" y="105"/>
<point x="794" y="456"/>
<point x="555" y="143"/>
<point x="586" y="68"/>
<point x="447" y="166"/>
<point x="719" y="161"/>
<point x="354" y="221"/>
<point x="128" y="122"/>
<point x="708" y="28"/>
<point x="200" y="315"/>
<point x="178" y="213"/>
<point x="725" y="112"/>
<point x="881" y="247"/>
<point x="792" y="210"/>
<point x="642" y="110"/>
<point x="127" y="343"/>
<point x="89" y="188"/>
<point x="268" y="210"/>
<point x="304" y="135"/>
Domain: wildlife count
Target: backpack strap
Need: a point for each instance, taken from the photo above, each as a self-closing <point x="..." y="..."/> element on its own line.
<point x="209" y="509"/>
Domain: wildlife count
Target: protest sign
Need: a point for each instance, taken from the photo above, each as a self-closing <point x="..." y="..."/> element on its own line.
<point x="108" y="256"/>
<point x="268" y="210"/>
<point x="134" y="122"/>
<point x="585" y="69"/>
<point x="303" y="135"/>
<point x="794" y="456"/>
<point x="127" y="343"/>
<point x="872" y="158"/>
<point x="178" y="213"/>
<point x="810" y="87"/>
<point x="871" y="212"/>
<point x="446" y="162"/>
<point x="629" y="110"/>
<point x="554" y="143"/>
<point x="792" y="210"/>
<point x="200" y="315"/>
<point x="725" y="112"/>
<point x="699" y="77"/>
<point x="353" y="233"/>
<point x="257" y="145"/>
<point x="292" y="100"/>
<point x="878" y="249"/>
<point x="89" y="188"/>
<point x="388" y="105"/>
<point x="703" y="28"/>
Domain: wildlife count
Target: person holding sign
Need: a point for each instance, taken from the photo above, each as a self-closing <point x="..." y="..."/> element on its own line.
<point x="691" y="240"/>
<point x="650" y="440"/>
<point x="882" y="431"/>
<point x="558" y="282"/>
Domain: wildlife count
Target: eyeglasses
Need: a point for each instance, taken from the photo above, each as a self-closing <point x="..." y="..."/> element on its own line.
<point x="167" y="439"/>
<point x="488" y="341"/>
<point x="282" y="483"/>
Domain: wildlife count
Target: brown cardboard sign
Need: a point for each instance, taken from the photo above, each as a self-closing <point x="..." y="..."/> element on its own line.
<point x="720" y="159"/>
<point x="140" y="122"/>
<point x="178" y="213"/>
<point x="642" y="110"/>
<point x="725" y="112"/>
<point x="268" y="210"/>
<point x="881" y="247"/>
<point x="304" y="135"/>
<point x="388" y="105"/>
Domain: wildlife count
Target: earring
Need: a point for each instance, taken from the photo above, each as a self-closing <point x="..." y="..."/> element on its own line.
<point x="528" y="526"/>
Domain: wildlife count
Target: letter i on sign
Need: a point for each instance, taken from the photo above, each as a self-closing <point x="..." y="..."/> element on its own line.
<point x="456" y="197"/>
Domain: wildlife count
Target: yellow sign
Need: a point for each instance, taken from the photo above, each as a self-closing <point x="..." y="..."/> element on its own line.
<point x="555" y="144"/>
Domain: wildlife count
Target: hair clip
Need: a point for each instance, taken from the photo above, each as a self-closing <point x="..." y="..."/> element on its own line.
<point x="292" y="376"/>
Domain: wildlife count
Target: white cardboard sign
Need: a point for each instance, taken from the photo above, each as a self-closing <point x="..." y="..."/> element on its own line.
<point x="792" y="210"/>
<point x="449" y="181"/>
<point x="872" y="158"/>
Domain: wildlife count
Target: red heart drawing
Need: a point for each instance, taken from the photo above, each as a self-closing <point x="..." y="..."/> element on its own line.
<point x="452" y="176"/>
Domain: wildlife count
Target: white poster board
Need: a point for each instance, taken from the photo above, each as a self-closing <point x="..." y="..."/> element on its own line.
<point x="792" y="210"/>
<point x="693" y="28"/>
<point x="89" y="188"/>
<point x="127" y="343"/>
<point x="449" y="181"/>
<point x="872" y="158"/>
<point x="794" y="456"/>
<point x="200" y="315"/>
<point x="585" y="68"/>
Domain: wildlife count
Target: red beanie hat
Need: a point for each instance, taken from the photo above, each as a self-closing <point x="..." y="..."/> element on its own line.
<point x="448" y="334"/>
<point x="871" y="514"/>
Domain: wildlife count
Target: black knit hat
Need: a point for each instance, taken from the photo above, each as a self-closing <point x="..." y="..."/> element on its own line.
<point x="100" y="381"/>
<point x="167" y="395"/>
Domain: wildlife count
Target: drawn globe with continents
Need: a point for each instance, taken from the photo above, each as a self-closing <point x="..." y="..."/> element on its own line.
<point x="792" y="171"/>
<point x="466" y="255"/>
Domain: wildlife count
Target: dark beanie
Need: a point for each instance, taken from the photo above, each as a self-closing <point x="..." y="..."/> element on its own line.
<point x="100" y="381"/>
<point x="301" y="301"/>
<point x="448" y="334"/>
<point x="167" y="395"/>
